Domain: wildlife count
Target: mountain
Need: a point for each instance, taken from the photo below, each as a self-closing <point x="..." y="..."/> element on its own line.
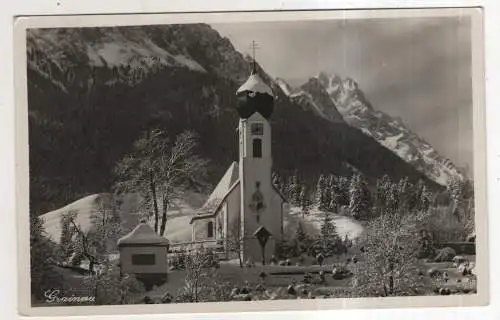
<point x="93" y="91"/>
<point x="312" y="95"/>
<point x="347" y="99"/>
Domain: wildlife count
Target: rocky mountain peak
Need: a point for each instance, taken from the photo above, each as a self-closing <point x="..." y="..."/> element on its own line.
<point x="391" y="132"/>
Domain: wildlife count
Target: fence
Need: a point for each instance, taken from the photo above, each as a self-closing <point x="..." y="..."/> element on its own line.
<point x="216" y="245"/>
<point x="468" y="248"/>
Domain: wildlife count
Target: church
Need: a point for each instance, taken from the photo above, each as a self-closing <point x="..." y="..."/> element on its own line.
<point x="245" y="204"/>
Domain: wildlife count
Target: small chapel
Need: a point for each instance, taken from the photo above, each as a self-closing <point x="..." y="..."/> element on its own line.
<point x="245" y="204"/>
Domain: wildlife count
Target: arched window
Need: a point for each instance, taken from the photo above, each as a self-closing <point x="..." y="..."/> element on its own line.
<point x="210" y="229"/>
<point x="257" y="148"/>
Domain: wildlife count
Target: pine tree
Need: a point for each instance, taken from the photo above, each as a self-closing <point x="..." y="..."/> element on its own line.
<point x="334" y="198"/>
<point x="42" y="252"/>
<point x="302" y="241"/>
<point x="359" y="205"/>
<point x="304" y="201"/>
<point x="292" y="189"/>
<point x="416" y="195"/>
<point x="455" y="189"/>
<point x="328" y="237"/>
<point x="342" y="188"/>
<point x="425" y="199"/>
<point x="321" y="186"/>
<point x="66" y="237"/>
<point x="383" y="189"/>
<point x="392" y="200"/>
<point x="330" y="192"/>
<point x="405" y="190"/>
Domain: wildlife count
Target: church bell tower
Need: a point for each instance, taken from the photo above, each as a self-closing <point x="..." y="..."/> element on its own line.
<point x="255" y="107"/>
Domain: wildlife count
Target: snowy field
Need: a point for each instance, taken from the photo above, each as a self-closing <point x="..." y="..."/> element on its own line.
<point x="178" y="227"/>
<point x="312" y="222"/>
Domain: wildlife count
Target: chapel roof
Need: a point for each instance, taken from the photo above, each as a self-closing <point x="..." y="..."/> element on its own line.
<point x="226" y="182"/>
<point x="143" y="234"/>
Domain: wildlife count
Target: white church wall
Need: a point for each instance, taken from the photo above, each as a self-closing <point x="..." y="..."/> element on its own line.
<point x="201" y="229"/>
<point x="253" y="171"/>
<point x="233" y="209"/>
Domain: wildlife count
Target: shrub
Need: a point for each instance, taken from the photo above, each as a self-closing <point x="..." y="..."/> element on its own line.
<point x="179" y="261"/>
<point x="445" y="255"/>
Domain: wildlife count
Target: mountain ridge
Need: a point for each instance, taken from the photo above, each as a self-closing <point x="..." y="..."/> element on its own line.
<point x="391" y="132"/>
<point x="84" y="117"/>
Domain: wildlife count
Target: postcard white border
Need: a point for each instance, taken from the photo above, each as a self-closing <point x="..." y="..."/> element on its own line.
<point x="22" y="190"/>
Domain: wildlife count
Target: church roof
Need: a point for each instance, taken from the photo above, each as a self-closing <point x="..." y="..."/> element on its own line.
<point x="143" y="234"/>
<point x="226" y="182"/>
<point x="255" y="83"/>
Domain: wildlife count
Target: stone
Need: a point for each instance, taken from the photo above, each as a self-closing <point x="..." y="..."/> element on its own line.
<point x="235" y="291"/>
<point x="167" y="298"/>
<point x="260" y="287"/>
<point x="242" y="297"/>
<point x="458" y="260"/>
<point x="245" y="290"/>
<point x="463" y="269"/>
<point x="444" y="291"/>
<point x="291" y="290"/>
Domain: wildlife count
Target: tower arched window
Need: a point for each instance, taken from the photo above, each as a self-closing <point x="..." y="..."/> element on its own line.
<point x="257" y="148"/>
<point x="210" y="229"/>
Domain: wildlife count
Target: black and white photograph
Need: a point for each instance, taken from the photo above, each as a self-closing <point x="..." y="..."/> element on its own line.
<point x="237" y="160"/>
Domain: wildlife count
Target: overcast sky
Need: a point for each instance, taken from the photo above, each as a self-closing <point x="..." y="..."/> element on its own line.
<point x="418" y="69"/>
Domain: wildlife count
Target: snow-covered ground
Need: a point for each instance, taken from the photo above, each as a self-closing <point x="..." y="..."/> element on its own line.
<point x="178" y="227"/>
<point x="312" y="222"/>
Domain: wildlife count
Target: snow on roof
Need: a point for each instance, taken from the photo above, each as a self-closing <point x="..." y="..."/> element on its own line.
<point x="255" y="84"/>
<point x="143" y="234"/>
<point x="225" y="184"/>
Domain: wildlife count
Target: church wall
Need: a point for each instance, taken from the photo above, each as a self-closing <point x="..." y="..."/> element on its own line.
<point x="233" y="209"/>
<point x="201" y="227"/>
<point x="255" y="170"/>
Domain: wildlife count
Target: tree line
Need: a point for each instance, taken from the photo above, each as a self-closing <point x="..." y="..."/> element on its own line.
<point x="352" y="195"/>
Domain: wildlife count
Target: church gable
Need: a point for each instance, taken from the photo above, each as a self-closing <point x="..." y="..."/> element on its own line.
<point x="223" y="187"/>
<point x="222" y="191"/>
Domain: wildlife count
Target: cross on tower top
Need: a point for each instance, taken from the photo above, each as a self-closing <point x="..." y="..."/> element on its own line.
<point x="254" y="47"/>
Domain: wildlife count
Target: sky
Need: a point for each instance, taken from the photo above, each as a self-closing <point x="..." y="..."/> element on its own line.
<point x="418" y="69"/>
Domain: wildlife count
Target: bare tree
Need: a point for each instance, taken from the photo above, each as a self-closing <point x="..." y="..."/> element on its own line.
<point x="196" y="273"/>
<point x="389" y="261"/>
<point x="83" y="243"/>
<point x="93" y="243"/>
<point x="234" y="241"/>
<point x="160" y="171"/>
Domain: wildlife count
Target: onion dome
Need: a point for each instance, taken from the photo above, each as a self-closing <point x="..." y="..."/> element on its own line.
<point x="255" y="96"/>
